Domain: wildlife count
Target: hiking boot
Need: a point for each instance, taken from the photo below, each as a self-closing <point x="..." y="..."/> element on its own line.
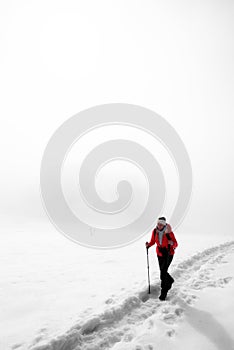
<point x="163" y="295"/>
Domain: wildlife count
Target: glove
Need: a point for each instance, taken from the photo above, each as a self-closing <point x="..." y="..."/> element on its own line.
<point x="147" y="245"/>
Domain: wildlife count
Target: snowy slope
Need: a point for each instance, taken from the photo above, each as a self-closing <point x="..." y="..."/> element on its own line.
<point x="196" y="313"/>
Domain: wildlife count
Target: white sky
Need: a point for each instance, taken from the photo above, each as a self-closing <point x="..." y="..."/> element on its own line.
<point x="174" y="57"/>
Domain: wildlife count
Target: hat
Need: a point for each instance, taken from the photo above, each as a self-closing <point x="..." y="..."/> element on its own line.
<point x="162" y="220"/>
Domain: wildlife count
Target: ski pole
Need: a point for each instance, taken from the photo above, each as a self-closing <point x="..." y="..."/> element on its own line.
<point x="148" y="268"/>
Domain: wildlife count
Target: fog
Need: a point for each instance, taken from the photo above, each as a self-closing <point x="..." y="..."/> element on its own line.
<point x="175" y="58"/>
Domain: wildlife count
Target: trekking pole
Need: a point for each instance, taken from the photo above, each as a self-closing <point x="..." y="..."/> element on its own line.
<point x="148" y="268"/>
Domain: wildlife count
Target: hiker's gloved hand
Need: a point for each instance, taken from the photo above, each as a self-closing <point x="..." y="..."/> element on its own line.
<point x="170" y="242"/>
<point x="147" y="245"/>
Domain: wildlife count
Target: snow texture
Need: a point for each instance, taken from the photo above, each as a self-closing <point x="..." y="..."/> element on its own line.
<point x="141" y="321"/>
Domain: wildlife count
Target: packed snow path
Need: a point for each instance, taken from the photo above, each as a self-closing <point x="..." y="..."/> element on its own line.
<point x="116" y="323"/>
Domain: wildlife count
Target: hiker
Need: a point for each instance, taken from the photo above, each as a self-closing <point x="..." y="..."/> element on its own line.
<point x="166" y="242"/>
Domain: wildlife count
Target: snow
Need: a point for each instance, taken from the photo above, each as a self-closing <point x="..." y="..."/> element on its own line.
<point x="58" y="295"/>
<point x="173" y="58"/>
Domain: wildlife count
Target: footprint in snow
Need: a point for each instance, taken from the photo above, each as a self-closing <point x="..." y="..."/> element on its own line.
<point x="109" y="301"/>
<point x="172" y="316"/>
<point x="16" y="346"/>
<point x="170" y="332"/>
<point x="128" y="337"/>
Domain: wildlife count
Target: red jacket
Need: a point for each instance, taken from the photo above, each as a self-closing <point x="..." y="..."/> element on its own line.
<point x="155" y="239"/>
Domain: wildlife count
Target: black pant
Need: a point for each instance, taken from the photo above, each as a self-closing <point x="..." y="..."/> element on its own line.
<point x="164" y="262"/>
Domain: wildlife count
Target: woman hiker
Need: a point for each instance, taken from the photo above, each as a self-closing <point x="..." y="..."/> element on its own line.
<point x="166" y="242"/>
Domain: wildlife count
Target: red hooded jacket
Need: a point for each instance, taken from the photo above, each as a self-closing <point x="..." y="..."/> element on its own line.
<point x="155" y="239"/>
